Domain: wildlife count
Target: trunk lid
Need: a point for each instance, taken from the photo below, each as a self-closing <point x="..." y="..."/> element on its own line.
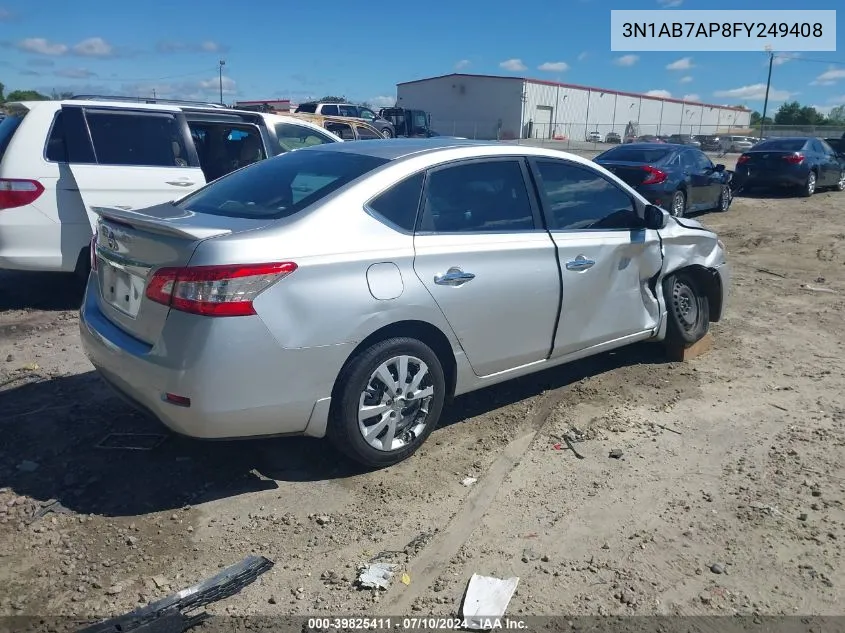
<point x="631" y="173"/>
<point x="132" y="245"/>
<point x="769" y="160"/>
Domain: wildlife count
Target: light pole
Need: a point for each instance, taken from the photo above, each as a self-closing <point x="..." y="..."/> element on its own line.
<point x="220" y="74"/>
<point x="768" y="84"/>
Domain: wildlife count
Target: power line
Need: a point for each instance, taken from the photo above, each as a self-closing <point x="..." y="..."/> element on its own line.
<point x="809" y="59"/>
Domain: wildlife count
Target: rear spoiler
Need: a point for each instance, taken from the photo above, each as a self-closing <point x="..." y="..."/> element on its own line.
<point x="158" y="225"/>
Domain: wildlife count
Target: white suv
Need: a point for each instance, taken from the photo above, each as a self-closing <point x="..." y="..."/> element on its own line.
<point x="60" y="159"/>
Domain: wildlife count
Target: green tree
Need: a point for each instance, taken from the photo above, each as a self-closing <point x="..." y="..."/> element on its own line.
<point x="836" y="116"/>
<point x="26" y="95"/>
<point x="757" y="119"/>
<point x="2" y="93"/>
<point x="60" y="96"/>
<point x="333" y="99"/>
<point x="793" y="113"/>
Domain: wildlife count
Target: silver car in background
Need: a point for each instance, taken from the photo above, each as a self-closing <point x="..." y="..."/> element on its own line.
<point x="351" y="289"/>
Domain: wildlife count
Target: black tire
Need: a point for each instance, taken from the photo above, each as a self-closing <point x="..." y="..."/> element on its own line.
<point x="678" y="206"/>
<point x="683" y="295"/>
<point x="343" y="429"/>
<point x="809" y="187"/>
<point x="723" y="204"/>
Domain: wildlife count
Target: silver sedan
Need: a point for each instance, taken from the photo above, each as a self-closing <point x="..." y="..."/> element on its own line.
<point x="349" y="290"/>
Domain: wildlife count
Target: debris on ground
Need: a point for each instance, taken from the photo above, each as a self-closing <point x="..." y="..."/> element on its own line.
<point x="406" y="578"/>
<point x="166" y="615"/>
<point x="27" y="466"/>
<point x="376" y="575"/>
<point x="486" y="598"/>
<point x="616" y="453"/>
<point x="468" y="481"/>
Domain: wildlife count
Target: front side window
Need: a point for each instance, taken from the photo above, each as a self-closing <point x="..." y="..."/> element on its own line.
<point x="292" y="136"/>
<point x="280" y="186"/>
<point x="365" y="133"/>
<point x="367" y="114"/>
<point x="579" y="198"/>
<point x="481" y="196"/>
<point x="149" y="139"/>
<point x="702" y="163"/>
<point x="348" y="110"/>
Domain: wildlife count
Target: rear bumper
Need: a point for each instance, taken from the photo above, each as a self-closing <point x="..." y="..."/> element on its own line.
<point x="240" y="382"/>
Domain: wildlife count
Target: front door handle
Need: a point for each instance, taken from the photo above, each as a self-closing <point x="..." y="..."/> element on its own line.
<point x="453" y="277"/>
<point x="580" y="263"/>
<point x="181" y="183"/>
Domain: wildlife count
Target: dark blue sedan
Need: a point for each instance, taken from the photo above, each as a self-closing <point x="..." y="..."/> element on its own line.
<point x="678" y="178"/>
<point x="802" y="163"/>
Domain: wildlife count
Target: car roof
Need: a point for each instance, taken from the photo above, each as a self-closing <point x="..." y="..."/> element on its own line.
<point x="675" y="146"/>
<point x="116" y="103"/>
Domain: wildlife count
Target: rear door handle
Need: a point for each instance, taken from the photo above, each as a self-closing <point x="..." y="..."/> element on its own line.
<point x="580" y="263"/>
<point x="181" y="183"/>
<point x="453" y="277"/>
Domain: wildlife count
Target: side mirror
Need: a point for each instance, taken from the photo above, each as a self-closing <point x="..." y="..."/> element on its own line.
<point x="719" y="167"/>
<point x="655" y="217"/>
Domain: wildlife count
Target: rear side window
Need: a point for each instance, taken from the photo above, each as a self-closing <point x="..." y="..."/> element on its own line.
<point x="398" y="205"/>
<point x="293" y="137"/>
<point x="365" y="133"/>
<point x="343" y="130"/>
<point x="280" y="186"/>
<point x="137" y="139"/>
<point x="782" y="145"/>
<point x="329" y="110"/>
<point x="311" y="108"/>
<point x="7" y="130"/>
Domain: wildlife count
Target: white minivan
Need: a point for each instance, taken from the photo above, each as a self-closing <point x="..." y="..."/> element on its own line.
<point x="61" y="159"/>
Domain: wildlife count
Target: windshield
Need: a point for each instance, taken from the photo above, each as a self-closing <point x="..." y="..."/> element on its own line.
<point x="281" y="186"/>
<point x="782" y="145"/>
<point x="635" y="154"/>
<point x="7" y="129"/>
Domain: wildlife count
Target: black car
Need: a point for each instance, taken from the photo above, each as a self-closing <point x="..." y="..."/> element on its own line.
<point x="679" y="178"/>
<point x="709" y="143"/>
<point x="803" y="163"/>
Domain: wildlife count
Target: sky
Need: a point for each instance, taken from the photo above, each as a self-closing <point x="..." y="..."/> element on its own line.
<point x="302" y="50"/>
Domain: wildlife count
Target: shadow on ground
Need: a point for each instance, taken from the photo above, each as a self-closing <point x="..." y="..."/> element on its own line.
<point x="40" y="291"/>
<point x="51" y="429"/>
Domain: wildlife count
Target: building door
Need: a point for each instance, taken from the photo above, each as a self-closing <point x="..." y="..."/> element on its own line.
<point x="543" y="122"/>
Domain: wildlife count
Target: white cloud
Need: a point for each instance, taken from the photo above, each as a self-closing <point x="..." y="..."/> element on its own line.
<point x="93" y="47"/>
<point x="204" y="90"/>
<point x="668" y="4"/>
<point x="513" y="65"/>
<point x="553" y="67"/>
<point x="75" y="73"/>
<point x="214" y="84"/>
<point x="691" y="97"/>
<point x="210" y="46"/>
<point x="582" y="56"/>
<point x="755" y="92"/>
<point x="665" y="94"/>
<point x="174" y="46"/>
<point x="6" y="15"/>
<point x="41" y="46"/>
<point x="685" y="80"/>
<point x="626" y="60"/>
<point x="685" y="63"/>
<point x="462" y="64"/>
<point x="781" y="58"/>
<point x="382" y="101"/>
<point x="829" y="77"/>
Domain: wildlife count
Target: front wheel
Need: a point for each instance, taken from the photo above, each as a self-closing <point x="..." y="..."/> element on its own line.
<point x="679" y="204"/>
<point x="688" y="310"/>
<point x="387" y="133"/>
<point x="840" y="186"/>
<point x="389" y="399"/>
<point x="725" y="199"/>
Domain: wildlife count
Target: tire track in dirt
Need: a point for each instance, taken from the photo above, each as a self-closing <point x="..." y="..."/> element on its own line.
<point x="429" y="564"/>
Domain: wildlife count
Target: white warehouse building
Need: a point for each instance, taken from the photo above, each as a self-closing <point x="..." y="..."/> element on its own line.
<point x="490" y="107"/>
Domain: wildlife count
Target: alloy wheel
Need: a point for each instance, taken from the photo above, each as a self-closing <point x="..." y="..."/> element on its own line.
<point x="678" y="203"/>
<point x="393" y="409"/>
<point x="725" y="198"/>
<point x="841" y="184"/>
<point x="811" y="183"/>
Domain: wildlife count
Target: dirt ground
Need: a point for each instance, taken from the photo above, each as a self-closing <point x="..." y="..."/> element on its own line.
<point x="728" y="497"/>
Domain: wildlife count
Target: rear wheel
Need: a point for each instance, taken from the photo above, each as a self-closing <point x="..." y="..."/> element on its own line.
<point x="387" y="133"/>
<point x="389" y="399"/>
<point x="688" y="310"/>
<point x="725" y="199"/>
<point x="679" y="204"/>
<point x="809" y="187"/>
<point x="840" y="186"/>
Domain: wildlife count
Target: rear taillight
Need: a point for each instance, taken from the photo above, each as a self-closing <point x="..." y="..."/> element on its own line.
<point x="743" y="159"/>
<point x="655" y="176"/>
<point x="794" y="159"/>
<point x="215" y="290"/>
<point x="17" y="193"/>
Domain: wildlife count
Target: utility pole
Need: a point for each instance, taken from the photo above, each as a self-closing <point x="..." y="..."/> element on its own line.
<point x="220" y="71"/>
<point x="154" y="93"/>
<point x="768" y="84"/>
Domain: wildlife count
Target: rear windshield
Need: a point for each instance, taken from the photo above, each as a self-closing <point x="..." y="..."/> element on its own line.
<point x="636" y="154"/>
<point x="782" y="145"/>
<point x="281" y="186"/>
<point x="7" y="129"/>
